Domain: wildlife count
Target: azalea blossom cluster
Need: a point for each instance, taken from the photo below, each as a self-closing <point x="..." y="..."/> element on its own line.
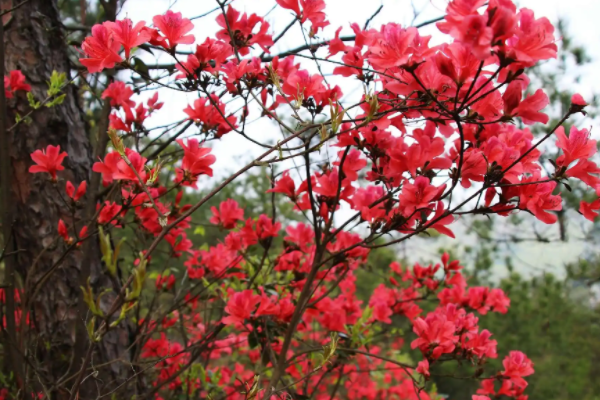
<point x="120" y="98"/>
<point x="272" y="309"/>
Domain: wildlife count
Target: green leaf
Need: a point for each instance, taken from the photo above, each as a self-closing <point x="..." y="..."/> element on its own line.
<point x="317" y="359"/>
<point x="56" y="83"/>
<point x="108" y="256"/>
<point x="199" y="231"/>
<point x="140" y="67"/>
<point x="57" y="101"/>
<point x="90" y="327"/>
<point x="88" y="297"/>
<point x="252" y="341"/>
<point x="32" y="102"/>
<point x="124" y="309"/>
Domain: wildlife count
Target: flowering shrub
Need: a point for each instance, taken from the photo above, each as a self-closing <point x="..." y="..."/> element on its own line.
<point x="271" y="311"/>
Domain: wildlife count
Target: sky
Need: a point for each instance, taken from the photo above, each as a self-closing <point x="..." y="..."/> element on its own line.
<point x="233" y="151"/>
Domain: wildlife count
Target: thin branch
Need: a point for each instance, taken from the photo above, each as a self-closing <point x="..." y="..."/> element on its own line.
<point x="3" y="13"/>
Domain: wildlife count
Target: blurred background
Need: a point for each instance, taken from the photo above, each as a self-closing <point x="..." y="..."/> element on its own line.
<point x="550" y="272"/>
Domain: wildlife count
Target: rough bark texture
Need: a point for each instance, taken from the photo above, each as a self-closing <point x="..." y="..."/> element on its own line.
<point x="35" y="45"/>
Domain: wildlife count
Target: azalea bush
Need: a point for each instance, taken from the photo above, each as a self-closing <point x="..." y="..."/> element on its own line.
<point x="271" y="310"/>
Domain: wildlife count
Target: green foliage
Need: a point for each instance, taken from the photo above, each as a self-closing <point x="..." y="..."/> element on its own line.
<point x="56" y="83"/>
<point x="88" y="297"/>
<point x="33" y="103"/>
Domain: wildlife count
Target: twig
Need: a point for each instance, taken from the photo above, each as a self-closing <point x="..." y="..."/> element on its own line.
<point x="3" y="13"/>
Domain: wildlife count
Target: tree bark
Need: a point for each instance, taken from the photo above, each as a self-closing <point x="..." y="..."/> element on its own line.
<point x="34" y="44"/>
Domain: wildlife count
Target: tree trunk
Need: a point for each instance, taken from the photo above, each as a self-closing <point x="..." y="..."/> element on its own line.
<point x="57" y="340"/>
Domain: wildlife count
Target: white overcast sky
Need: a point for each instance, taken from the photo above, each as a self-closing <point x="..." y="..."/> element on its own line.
<point x="581" y="16"/>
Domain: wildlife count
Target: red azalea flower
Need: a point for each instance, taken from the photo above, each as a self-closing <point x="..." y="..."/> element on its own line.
<point x="72" y="193"/>
<point x="578" y="100"/>
<point x="196" y="161"/>
<point x="174" y="29"/>
<point x="101" y="49"/>
<point x="48" y="160"/>
<point x="227" y="215"/>
<point x="423" y="368"/>
<point x="119" y="94"/>
<point x="127" y="35"/>
<point x="63" y="231"/>
<point x="212" y="117"/>
<point x="577" y="146"/>
<point x="109" y="212"/>
<point x="587" y="209"/>
<point x="14" y="82"/>
<point x="285" y="185"/>
<point x="240" y="306"/>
